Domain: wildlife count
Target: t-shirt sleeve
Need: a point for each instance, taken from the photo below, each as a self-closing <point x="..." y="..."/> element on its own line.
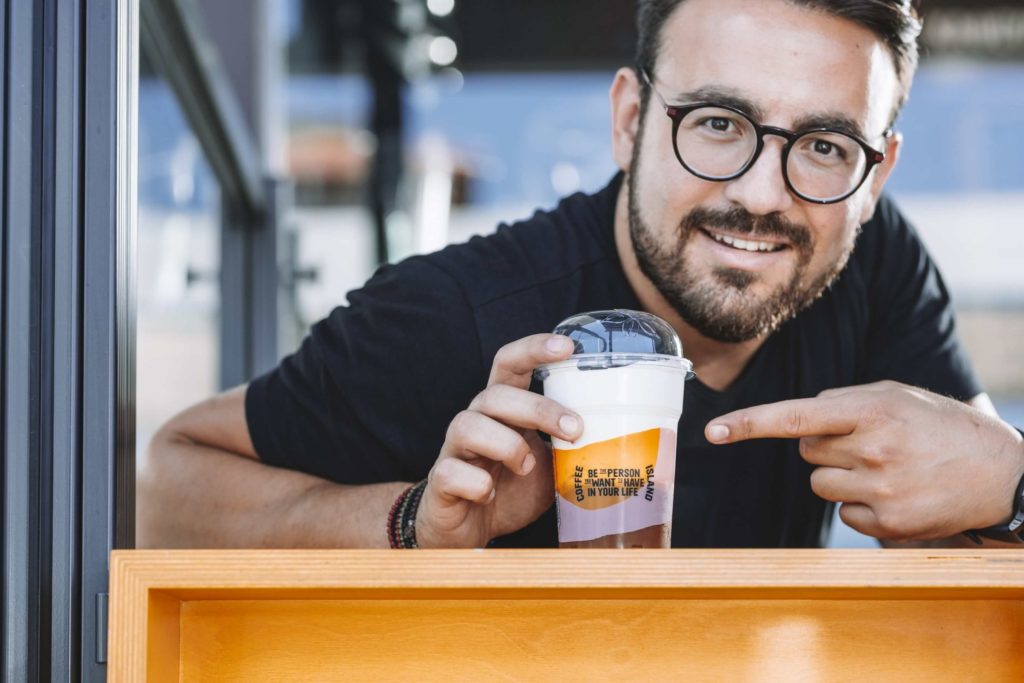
<point x="912" y="334"/>
<point x="370" y="393"/>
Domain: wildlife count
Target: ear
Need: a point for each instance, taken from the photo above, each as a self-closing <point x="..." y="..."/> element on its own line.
<point x="881" y="174"/>
<point x="625" y="101"/>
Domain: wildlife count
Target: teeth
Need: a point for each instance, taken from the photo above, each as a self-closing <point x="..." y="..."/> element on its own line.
<point x="746" y="245"/>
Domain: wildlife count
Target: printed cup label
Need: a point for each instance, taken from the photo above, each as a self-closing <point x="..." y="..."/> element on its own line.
<point x="615" y="486"/>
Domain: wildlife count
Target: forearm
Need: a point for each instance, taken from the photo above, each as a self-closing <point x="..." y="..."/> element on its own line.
<point x="193" y="496"/>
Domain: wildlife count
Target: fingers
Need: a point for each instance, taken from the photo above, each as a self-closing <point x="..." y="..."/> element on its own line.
<point x="786" y="420"/>
<point x="871" y="521"/>
<point x="885" y="385"/>
<point x="515" y="362"/>
<point x="838" y="485"/>
<point x="838" y="391"/>
<point x="499" y="427"/>
<point x="834" y="412"/>
<point x="455" y="480"/>
<point x="526" y="410"/>
<point x="870" y="508"/>
<point x="861" y="518"/>
<point x="474" y="435"/>
<point x="830" y="451"/>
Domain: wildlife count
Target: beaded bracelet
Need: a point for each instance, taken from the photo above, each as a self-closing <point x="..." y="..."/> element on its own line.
<point x="392" y="537"/>
<point x="402" y="517"/>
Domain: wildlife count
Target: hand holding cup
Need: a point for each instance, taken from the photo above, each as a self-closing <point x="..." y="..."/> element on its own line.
<point x="493" y="475"/>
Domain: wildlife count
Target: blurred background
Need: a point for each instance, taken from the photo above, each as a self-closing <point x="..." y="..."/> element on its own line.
<point x="394" y="127"/>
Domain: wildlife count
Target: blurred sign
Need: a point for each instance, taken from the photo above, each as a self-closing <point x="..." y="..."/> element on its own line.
<point x="532" y="35"/>
<point x="491" y="35"/>
<point x="544" y="35"/>
<point x="975" y="28"/>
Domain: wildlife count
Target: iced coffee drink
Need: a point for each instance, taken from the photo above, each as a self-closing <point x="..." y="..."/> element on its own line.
<point x="614" y="485"/>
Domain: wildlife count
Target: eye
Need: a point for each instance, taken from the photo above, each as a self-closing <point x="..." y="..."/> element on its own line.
<point x="715" y="125"/>
<point x="719" y="124"/>
<point x="825" y="148"/>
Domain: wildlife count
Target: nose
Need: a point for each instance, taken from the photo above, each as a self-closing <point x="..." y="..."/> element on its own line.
<point x="762" y="189"/>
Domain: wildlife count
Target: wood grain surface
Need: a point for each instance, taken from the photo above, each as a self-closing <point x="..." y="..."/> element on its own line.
<point x="779" y="615"/>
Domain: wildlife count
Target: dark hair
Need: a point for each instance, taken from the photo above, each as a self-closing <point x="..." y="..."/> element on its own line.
<point x="896" y="22"/>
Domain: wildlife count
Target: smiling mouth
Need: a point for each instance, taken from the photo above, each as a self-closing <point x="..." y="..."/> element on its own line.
<point x="745" y="245"/>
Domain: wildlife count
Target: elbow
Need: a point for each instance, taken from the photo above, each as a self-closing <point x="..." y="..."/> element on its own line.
<point x="155" y="498"/>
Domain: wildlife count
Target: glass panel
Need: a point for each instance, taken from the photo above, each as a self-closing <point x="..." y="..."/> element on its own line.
<point x="178" y="262"/>
<point x="480" y="149"/>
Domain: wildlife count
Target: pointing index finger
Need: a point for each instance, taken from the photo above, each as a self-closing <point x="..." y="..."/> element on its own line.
<point x="822" y="416"/>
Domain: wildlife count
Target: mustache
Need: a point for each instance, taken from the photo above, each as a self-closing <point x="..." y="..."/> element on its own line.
<point x="742" y="222"/>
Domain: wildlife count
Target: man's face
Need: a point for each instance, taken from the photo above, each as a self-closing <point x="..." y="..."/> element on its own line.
<point x="795" y="67"/>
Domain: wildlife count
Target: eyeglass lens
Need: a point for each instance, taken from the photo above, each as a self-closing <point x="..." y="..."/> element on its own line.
<point x="718" y="144"/>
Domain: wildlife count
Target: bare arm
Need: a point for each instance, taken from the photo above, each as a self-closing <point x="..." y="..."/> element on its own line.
<point x="200" y="484"/>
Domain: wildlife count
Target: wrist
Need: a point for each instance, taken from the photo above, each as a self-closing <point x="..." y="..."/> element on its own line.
<point x="429" y="535"/>
<point x="432" y="532"/>
<point x="1010" y="492"/>
<point x="425" y="533"/>
<point x="1009" y="519"/>
<point x="1019" y="479"/>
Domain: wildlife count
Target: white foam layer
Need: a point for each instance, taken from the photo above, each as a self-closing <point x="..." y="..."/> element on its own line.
<point x="618" y="401"/>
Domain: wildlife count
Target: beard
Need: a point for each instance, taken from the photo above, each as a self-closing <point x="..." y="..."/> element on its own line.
<point x="720" y="306"/>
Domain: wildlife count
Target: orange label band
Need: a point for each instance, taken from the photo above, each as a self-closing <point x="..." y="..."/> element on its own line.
<point x="604" y="473"/>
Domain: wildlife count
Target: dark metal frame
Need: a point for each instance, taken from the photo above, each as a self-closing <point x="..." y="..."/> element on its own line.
<point x="176" y="41"/>
<point x="19" y="428"/>
<point x="67" y="308"/>
<point x="249" y="289"/>
<point x="66" y="327"/>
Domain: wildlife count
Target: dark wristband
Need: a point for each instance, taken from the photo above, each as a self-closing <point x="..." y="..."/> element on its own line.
<point x="402" y="518"/>
<point x="1013" y="532"/>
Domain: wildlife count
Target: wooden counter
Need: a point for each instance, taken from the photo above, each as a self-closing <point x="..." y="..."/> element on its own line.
<point x="579" y="615"/>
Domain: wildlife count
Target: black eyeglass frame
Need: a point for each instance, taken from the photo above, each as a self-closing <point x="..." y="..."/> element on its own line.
<point x="678" y="112"/>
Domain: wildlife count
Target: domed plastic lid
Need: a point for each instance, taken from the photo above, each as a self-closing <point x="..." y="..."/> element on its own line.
<point x="620" y="331"/>
<point x="607" y="339"/>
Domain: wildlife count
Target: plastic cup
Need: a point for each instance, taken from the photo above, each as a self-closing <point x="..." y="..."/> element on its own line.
<point x="614" y="485"/>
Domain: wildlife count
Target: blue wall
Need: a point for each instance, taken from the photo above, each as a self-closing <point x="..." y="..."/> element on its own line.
<point x="964" y="129"/>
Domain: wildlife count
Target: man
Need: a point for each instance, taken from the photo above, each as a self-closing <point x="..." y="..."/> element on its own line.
<point x="754" y="137"/>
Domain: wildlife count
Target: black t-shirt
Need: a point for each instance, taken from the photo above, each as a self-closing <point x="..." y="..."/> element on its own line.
<point x="370" y="393"/>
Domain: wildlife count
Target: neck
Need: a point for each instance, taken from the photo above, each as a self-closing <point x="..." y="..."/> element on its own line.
<point x="716" y="363"/>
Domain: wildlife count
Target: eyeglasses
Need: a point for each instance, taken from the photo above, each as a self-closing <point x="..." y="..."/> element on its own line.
<point x="718" y="142"/>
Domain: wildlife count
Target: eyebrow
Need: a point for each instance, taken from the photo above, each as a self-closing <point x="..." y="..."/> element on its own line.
<point x="720" y="95"/>
<point x="832" y="121"/>
<point x="730" y="97"/>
